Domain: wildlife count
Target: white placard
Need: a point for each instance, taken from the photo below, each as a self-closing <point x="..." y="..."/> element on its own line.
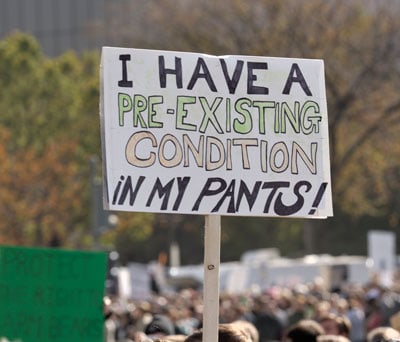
<point x="230" y="135"/>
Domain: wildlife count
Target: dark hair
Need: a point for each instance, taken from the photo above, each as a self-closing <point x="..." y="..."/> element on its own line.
<point x="332" y="338"/>
<point x="160" y="324"/>
<point x="306" y="330"/>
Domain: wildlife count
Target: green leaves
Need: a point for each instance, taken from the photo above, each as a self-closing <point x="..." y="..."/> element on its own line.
<point x="48" y="131"/>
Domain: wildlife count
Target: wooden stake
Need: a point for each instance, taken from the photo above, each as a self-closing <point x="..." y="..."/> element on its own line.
<point x="212" y="247"/>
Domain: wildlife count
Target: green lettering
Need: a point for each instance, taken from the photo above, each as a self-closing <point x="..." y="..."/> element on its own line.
<point x="246" y="125"/>
<point x="153" y="101"/>
<point x="181" y="113"/>
<point x="124" y="106"/>
<point x="139" y="105"/>
<point x="262" y="112"/>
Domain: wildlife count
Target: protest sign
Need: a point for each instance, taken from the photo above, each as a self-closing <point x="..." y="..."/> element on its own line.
<point x="51" y="295"/>
<point x="198" y="134"/>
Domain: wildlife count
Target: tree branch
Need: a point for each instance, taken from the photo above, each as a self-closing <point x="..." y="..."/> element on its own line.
<point x="371" y="129"/>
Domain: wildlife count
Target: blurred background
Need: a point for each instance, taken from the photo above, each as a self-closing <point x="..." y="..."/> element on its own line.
<point x="50" y="155"/>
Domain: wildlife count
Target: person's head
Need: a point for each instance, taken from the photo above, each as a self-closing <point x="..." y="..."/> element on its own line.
<point x="226" y="333"/>
<point x="306" y="330"/>
<point x="383" y="334"/>
<point x="171" y="338"/>
<point x="249" y="328"/>
<point x="332" y="338"/>
<point x="322" y="308"/>
<point x="160" y="326"/>
<point x="335" y="325"/>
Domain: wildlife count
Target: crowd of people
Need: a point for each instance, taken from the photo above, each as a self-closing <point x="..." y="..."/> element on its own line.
<point x="305" y="312"/>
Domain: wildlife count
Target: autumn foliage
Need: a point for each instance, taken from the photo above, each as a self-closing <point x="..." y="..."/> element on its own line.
<point x="48" y="128"/>
<point x="41" y="194"/>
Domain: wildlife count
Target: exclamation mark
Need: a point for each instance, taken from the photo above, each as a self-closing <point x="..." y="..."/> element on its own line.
<point x="318" y="198"/>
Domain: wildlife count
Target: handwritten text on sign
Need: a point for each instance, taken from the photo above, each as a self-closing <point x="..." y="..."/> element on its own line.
<point x="200" y="134"/>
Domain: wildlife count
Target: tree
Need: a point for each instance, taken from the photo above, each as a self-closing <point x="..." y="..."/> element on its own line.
<point x="48" y="128"/>
<point x="49" y="116"/>
<point x="40" y="195"/>
<point x="43" y="99"/>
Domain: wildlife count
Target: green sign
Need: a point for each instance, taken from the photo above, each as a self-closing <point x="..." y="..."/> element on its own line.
<point x="51" y="295"/>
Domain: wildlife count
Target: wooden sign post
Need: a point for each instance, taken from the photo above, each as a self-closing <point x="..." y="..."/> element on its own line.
<point x="212" y="245"/>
